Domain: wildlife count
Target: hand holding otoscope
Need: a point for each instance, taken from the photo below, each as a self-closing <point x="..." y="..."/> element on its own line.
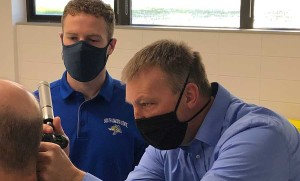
<point x="47" y="111"/>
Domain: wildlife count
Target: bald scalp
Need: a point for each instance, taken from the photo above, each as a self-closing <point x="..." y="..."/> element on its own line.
<point x="14" y="97"/>
<point x="20" y="128"/>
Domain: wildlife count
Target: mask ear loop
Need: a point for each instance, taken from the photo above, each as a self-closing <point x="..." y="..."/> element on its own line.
<point x="206" y="104"/>
<point x="107" y="47"/>
<point x="109" y="42"/>
<point x="182" y="91"/>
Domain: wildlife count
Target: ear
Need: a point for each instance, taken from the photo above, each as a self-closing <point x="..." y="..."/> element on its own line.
<point x="61" y="36"/>
<point x="112" y="46"/>
<point x="191" y="95"/>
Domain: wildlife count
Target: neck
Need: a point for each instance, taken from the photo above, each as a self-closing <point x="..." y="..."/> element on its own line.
<point x="13" y="176"/>
<point x="196" y="123"/>
<point x="88" y="89"/>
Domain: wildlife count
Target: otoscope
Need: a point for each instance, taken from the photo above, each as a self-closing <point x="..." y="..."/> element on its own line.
<point x="47" y="111"/>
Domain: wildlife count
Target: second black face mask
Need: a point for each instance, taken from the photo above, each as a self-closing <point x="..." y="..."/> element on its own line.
<point x="165" y="131"/>
<point x="84" y="61"/>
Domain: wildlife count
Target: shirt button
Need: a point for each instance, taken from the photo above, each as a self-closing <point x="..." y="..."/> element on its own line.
<point x="197" y="156"/>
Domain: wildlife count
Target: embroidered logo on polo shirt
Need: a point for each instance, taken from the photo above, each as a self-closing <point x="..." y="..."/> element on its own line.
<point x="115" y="129"/>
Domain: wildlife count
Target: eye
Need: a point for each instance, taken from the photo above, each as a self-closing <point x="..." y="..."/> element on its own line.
<point x="73" y="38"/>
<point x="146" y="104"/>
<point x="94" y="40"/>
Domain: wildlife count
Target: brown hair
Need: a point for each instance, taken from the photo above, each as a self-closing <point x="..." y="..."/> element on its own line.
<point x="96" y="8"/>
<point x="176" y="59"/>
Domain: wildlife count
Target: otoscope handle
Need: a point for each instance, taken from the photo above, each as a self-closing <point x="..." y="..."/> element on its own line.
<point x="47" y="112"/>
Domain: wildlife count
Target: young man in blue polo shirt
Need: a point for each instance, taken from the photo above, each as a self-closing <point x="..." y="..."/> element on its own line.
<point x="103" y="137"/>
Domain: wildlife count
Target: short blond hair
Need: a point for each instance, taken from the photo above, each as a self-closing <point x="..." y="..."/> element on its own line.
<point x="96" y="8"/>
<point x="176" y="59"/>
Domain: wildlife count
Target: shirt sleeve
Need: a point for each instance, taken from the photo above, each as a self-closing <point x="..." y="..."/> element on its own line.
<point x="150" y="167"/>
<point x="90" y="177"/>
<point x="257" y="153"/>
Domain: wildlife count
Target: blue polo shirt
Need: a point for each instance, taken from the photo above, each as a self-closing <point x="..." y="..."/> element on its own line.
<point x="237" y="141"/>
<point x="104" y="140"/>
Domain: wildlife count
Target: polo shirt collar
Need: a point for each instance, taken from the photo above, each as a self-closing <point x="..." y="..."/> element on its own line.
<point x="66" y="90"/>
<point x="106" y="90"/>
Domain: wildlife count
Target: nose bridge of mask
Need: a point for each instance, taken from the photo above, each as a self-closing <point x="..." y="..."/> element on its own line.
<point x="84" y="51"/>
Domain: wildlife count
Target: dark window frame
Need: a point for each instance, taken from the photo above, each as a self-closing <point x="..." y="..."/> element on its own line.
<point x="122" y="10"/>
<point x="247" y="14"/>
<point x="33" y="17"/>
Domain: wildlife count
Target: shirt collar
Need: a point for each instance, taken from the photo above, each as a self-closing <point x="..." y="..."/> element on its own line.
<point x="66" y="90"/>
<point x="106" y="90"/>
<point x="211" y="128"/>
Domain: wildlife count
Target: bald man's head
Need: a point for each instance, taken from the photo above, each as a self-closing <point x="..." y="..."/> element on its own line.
<point x="20" y="127"/>
<point x="15" y="98"/>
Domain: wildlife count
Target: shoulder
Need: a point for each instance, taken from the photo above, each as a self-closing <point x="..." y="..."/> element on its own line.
<point x="257" y="132"/>
<point x="256" y="140"/>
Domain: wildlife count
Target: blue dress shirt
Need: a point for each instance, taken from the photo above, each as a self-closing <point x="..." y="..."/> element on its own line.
<point x="237" y="141"/>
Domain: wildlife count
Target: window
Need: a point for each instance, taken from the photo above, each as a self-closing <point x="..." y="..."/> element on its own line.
<point x="276" y="14"/>
<point x="212" y="13"/>
<point x="50" y="7"/>
<point x="48" y="10"/>
<point x="200" y="13"/>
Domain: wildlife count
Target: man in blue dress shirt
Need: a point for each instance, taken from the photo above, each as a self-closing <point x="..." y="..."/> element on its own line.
<point x="200" y="131"/>
<point x="104" y="140"/>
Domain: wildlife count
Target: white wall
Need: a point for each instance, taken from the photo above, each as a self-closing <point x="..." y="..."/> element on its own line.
<point x="259" y="67"/>
<point x="11" y="12"/>
<point x="7" y="60"/>
<point x="262" y="68"/>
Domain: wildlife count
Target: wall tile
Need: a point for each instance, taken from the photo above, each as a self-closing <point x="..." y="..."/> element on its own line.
<point x="280" y="68"/>
<point x="119" y="58"/>
<point x="244" y="88"/>
<point x="289" y="110"/>
<point x="212" y="78"/>
<point x="211" y="62"/>
<point x="240" y="65"/>
<point x="115" y="72"/>
<point x="47" y="53"/>
<point x="280" y="90"/>
<point x="240" y="43"/>
<point x="128" y="39"/>
<point x="150" y="36"/>
<point x="251" y="101"/>
<point x="38" y="34"/>
<point x="202" y="42"/>
<point x="281" y="45"/>
<point x="40" y="71"/>
<point x="30" y="84"/>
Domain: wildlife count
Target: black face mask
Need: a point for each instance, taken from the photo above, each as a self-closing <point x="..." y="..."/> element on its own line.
<point x="84" y="61"/>
<point x="165" y="131"/>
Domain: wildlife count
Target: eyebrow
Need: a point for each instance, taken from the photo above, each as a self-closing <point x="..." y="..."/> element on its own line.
<point x="70" y="33"/>
<point x="89" y="35"/>
<point x="95" y="36"/>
